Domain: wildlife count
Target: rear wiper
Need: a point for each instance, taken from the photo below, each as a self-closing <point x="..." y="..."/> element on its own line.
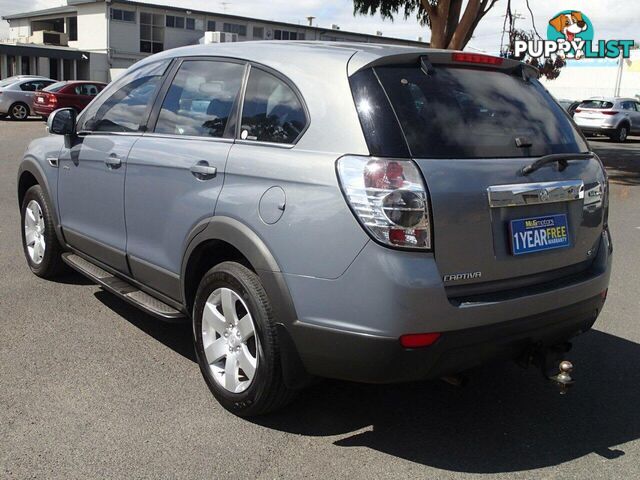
<point x="561" y="158"/>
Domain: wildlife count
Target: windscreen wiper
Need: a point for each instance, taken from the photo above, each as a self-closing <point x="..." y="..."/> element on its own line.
<point x="561" y="158"/>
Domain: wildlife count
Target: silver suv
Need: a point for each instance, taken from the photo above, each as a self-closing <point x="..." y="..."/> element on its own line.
<point x="614" y="117"/>
<point x="361" y="212"/>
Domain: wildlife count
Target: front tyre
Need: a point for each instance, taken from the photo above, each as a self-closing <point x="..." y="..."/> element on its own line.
<point x="39" y="241"/>
<point x="236" y="342"/>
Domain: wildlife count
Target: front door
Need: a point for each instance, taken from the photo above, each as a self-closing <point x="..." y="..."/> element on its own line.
<point x="176" y="172"/>
<point x="92" y="171"/>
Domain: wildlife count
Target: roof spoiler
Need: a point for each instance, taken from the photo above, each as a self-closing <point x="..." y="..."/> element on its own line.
<point x="430" y="60"/>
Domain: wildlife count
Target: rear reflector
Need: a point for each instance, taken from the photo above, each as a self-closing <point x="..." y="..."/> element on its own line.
<point x="417" y="340"/>
<point x="476" y="58"/>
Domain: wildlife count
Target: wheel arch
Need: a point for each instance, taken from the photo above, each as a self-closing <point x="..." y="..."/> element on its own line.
<point x="29" y="174"/>
<point x="220" y="239"/>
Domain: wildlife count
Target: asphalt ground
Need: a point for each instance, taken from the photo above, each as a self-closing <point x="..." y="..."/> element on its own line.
<point x="92" y="388"/>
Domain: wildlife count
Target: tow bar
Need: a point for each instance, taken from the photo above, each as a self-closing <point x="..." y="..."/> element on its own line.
<point x="554" y="367"/>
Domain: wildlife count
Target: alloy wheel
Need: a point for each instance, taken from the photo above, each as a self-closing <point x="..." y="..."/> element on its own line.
<point x="34" y="227"/>
<point x="229" y="340"/>
<point x="19" y="112"/>
<point x="623" y="134"/>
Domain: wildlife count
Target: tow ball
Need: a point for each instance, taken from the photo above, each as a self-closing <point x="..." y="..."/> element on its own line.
<point x="563" y="378"/>
<point x="553" y="366"/>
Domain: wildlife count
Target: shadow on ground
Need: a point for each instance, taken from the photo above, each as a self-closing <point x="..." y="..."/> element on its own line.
<point x="507" y="419"/>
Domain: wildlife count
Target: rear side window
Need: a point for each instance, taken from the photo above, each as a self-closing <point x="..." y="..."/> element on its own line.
<point x="596" y="104"/>
<point x="201" y="99"/>
<point x="125" y="106"/>
<point x="272" y="112"/>
<point x="476" y="113"/>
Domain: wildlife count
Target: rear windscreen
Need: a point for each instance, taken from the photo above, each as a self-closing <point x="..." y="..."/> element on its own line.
<point x="475" y="113"/>
<point x="56" y="87"/>
<point x="596" y="104"/>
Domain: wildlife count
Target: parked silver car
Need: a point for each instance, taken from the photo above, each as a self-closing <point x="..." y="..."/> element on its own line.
<point x="363" y="212"/>
<point x="17" y="95"/>
<point x="615" y="117"/>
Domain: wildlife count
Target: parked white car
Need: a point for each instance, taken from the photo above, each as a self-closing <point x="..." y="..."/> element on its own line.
<point x="614" y="117"/>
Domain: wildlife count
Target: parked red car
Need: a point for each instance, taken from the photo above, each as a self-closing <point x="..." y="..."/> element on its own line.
<point x="72" y="94"/>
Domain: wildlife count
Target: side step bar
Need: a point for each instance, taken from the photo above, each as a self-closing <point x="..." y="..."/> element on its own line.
<point x="122" y="288"/>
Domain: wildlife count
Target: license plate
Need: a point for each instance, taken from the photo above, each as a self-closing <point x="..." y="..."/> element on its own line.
<point x="536" y="234"/>
<point x="40" y="100"/>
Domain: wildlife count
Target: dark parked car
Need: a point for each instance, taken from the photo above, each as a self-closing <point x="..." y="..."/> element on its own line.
<point x="76" y="95"/>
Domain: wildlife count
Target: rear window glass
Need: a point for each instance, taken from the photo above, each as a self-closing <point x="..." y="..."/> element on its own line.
<point x="596" y="104"/>
<point x="476" y="113"/>
<point x="56" y="87"/>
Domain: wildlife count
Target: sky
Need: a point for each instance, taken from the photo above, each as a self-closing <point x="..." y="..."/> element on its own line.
<point x="612" y="19"/>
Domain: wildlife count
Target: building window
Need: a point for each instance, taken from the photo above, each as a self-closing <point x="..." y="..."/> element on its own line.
<point x="174" y="21"/>
<point x="123" y="15"/>
<point x="287" y="35"/>
<point x="258" y="32"/>
<point x="235" y="28"/>
<point x="151" y="32"/>
<point x="73" y="29"/>
<point x="211" y="25"/>
<point x="191" y="24"/>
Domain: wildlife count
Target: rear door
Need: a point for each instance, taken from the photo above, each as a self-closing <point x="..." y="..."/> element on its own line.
<point x="175" y="173"/>
<point x="471" y="129"/>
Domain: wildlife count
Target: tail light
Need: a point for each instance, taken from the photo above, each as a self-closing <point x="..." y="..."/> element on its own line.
<point x="577" y="110"/>
<point x="52" y="98"/>
<point x="389" y="198"/>
<point x="610" y="112"/>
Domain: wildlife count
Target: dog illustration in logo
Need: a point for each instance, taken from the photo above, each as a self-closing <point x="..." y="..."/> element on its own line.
<point x="569" y="25"/>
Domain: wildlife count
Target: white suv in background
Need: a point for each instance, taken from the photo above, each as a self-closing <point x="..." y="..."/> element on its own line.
<point x="614" y="117"/>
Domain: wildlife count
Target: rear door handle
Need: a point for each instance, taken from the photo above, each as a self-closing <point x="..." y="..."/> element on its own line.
<point x="113" y="161"/>
<point x="203" y="171"/>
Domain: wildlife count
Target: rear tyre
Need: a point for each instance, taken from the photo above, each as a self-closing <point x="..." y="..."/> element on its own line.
<point x="236" y="342"/>
<point x="19" y="111"/>
<point x="39" y="241"/>
<point x="620" y="134"/>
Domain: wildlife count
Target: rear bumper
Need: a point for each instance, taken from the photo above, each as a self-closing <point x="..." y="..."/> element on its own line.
<point x="601" y="130"/>
<point x="371" y="359"/>
<point x="43" y="110"/>
<point x="349" y="328"/>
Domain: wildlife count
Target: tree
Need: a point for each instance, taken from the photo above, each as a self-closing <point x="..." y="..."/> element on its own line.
<point x="451" y="28"/>
<point x="548" y="67"/>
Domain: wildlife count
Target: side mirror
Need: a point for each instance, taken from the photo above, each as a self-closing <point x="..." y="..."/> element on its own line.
<point x="62" y="122"/>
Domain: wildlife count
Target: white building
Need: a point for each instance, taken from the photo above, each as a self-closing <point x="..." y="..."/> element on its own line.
<point x="581" y="79"/>
<point x="96" y="39"/>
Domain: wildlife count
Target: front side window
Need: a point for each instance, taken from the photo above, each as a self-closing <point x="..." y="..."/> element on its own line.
<point x="87" y="89"/>
<point x="152" y="32"/>
<point x="126" y="103"/>
<point x="272" y="112"/>
<point x="201" y="99"/>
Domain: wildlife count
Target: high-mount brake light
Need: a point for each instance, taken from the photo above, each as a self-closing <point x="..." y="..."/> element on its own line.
<point x="389" y="198"/>
<point x="476" y="58"/>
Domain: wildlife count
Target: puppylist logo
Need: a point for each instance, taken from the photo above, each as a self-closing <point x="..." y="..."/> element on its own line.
<point x="570" y="35"/>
